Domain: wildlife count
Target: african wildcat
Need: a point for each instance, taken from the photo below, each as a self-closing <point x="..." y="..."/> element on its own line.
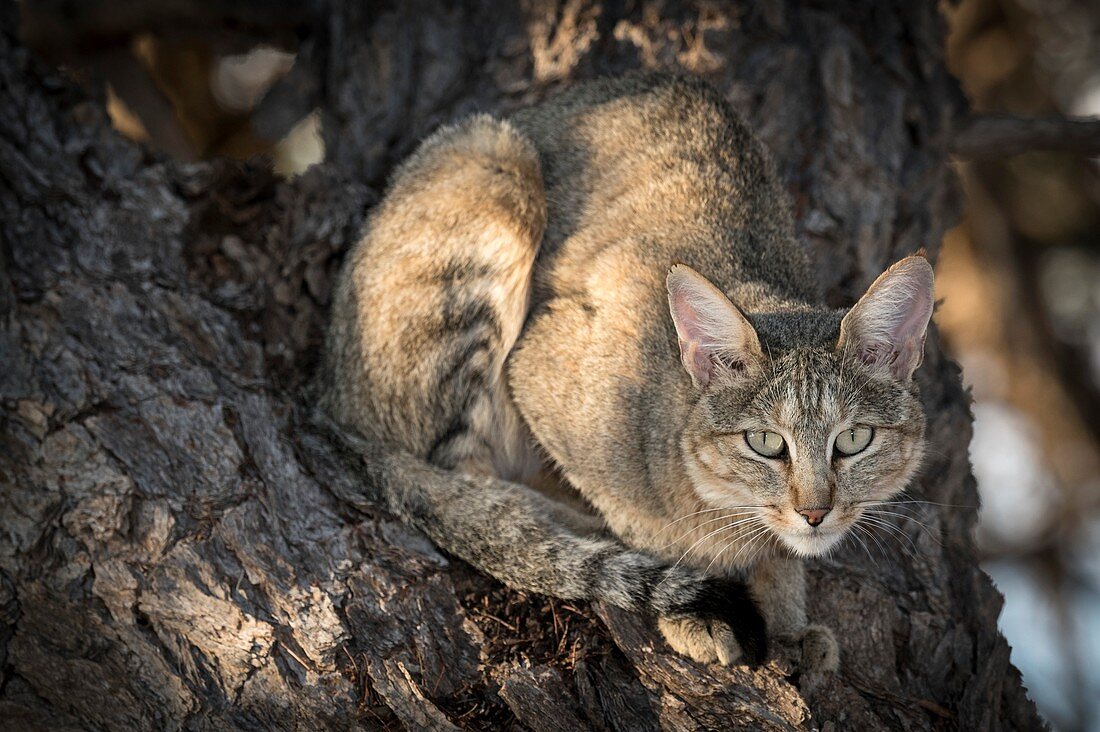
<point x="561" y="287"/>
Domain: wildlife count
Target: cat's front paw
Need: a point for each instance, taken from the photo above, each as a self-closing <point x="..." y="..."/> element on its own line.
<point x="811" y="654"/>
<point x="705" y="641"/>
<point x="820" y="653"/>
<point x="815" y="655"/>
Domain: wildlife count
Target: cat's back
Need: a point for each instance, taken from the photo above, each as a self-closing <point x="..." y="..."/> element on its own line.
<point x="640" y="172"/>
<point x="645" y="170"/>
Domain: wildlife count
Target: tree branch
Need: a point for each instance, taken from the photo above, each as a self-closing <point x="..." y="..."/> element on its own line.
<point x="1001" y="136"/>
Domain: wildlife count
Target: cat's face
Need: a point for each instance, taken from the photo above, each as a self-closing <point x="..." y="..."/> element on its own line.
<point x="800" y="445"/>
<point x="810" y="441"/>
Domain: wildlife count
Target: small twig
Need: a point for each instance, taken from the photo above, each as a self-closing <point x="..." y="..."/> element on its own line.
<point x="435" y="684"/>
<point x="517" y="641"/>
<point x="505" y="623"/>
<point x="351" y="658"/>
<point x="564" y="638"/>
<point x="1001" y="136"/>
<point x="935" y="708"/>
<point x="308" y="666"/>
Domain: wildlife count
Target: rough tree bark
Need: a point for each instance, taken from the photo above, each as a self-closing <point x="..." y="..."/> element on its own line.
<point x="174" y="552"/>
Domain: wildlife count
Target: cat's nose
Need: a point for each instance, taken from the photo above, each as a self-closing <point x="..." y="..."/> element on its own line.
<point x="815" y="516"/>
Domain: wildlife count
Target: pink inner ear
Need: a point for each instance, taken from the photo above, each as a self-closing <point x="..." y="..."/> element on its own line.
<point x="887" y="326"/>
<point x="903" y="352"/>
<point x="698" y="363"/>
<point x="694" y="356"/>
<point x="873" y="353"/>
<point x="713" y="335"/>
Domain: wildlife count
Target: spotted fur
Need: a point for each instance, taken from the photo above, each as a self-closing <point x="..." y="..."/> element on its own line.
<point x="509" y="306"/>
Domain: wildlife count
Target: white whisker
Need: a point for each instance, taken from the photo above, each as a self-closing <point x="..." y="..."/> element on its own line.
<point x="926" y="527"/>
<point x="705" y="510"/>
<point x="862" y="543"/>
<point x="768" y="538"/>
<point x="874" y="536"/>
<point x="729" y="542"/>
<point x="896" y="532"/>
<point x="753" y="535"/>
<point x="700" y="541"/>
<point x="730" y="525"/>
<point x="902" y="503"/>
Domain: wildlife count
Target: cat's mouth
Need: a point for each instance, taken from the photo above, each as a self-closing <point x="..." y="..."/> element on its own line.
<point x="812" y="541"/>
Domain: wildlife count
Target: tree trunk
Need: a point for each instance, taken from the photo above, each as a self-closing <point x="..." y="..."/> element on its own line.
<point x="175" y="554"/>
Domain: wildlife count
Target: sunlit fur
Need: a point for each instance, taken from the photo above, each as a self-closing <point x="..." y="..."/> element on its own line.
<point x="612" y="277"/>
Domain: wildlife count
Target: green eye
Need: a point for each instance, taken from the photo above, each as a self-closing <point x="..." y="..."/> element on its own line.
<point x="768" y="444"/>
<point x="854" y="440"/>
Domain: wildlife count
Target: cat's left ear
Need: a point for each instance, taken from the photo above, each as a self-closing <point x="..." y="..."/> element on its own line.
<point x="886" y="328"/>
<point x="715" y="337"/>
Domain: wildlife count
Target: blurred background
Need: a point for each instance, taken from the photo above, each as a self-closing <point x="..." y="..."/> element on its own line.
<point x="1020" y="283"/>
<point x="1019" y="278"/>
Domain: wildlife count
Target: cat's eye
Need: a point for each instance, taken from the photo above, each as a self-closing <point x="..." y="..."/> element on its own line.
<point x="767" y="444"/>
<point x="854" y="440"/>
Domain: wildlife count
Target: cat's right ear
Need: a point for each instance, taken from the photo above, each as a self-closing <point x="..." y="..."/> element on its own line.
<point x="715" y="337"/>
<point x="886" y="328"/>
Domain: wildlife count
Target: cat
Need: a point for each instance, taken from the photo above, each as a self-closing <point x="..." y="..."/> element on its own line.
<point x="608" y="286"/>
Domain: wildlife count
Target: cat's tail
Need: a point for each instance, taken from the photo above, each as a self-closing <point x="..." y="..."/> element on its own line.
<point x="509" y="531"/>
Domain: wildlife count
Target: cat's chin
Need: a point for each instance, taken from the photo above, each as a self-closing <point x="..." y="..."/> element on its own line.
<point x="813" y="542"/>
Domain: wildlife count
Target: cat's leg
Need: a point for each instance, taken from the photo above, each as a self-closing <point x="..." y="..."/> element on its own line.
<point x="778" y="584"/>
<point x="555" y="383"/>
<point x="778" y="587"/>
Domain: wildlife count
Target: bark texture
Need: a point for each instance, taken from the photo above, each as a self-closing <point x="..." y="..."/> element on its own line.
<point x="173" y="552"/>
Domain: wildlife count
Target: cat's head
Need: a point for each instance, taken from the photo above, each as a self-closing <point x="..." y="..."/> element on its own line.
<point x="805" y="437"/>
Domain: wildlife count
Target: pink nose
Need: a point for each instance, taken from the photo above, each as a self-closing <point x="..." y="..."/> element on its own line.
<point x="815" y="516"/>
